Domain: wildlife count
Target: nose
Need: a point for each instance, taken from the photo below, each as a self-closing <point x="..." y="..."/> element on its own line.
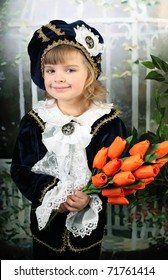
<point x="59" y="77"/>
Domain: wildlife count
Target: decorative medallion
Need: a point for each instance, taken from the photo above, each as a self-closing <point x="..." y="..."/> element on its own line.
<point x="68" y="128"/>
<point x="89" y="40"/>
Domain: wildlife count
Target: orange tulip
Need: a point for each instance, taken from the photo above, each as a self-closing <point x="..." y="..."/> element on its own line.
<point x="113" y="192"/>
<point x="112" y="167"/>
<point x="129" y="191"/>
<point x="140" y="186"/>
<point x="146" y="171"/>
<point x="161" y="161"/>
<point x="99" y="180"/>
<point x="123" y="178"/>
<point x="100" y="158"/>
<point x="140" y="148"/>
<point x="120" y="200"/>
<point x="162" y="150"/>
<point x="117" y="147"/>
<point x="132" y="163"/>
<point x="148" y="180"/>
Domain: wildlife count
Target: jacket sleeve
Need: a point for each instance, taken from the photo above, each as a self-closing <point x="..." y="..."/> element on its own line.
<point x="27" y="151"/>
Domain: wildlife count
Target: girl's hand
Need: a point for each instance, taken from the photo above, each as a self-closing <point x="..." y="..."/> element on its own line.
<point x="77" y="201"/>
<point x="62" y="208"/>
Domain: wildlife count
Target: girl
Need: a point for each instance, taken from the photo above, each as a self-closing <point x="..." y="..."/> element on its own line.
<point x="58" y="139"/>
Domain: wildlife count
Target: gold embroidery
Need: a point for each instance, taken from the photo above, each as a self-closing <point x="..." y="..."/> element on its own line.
<point x="71" y="43"/>
<point x="111" y="117"/>
<point x="55" y="29"/>
<point x="66" y="243"/>
<point x="37" y="119"/>
<point x="42" y="35"/>
<point x="47" y="188"/>
<point x="60" y="250"/>
<point x="74" y="249"/>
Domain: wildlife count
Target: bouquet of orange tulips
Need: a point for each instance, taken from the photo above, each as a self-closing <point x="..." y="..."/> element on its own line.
<point x="116" y="176"/>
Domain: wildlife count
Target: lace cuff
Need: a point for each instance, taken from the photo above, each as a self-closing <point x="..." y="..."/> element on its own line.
<point x="52" y="200"/>
<point x="85" y="221"/>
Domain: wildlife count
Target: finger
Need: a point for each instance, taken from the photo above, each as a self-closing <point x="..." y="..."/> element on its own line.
<point x="62" y="208"/>
<point x="70" y="208"/>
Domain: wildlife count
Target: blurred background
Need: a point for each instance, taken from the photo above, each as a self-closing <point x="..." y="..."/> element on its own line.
<point x="132" y="31"/>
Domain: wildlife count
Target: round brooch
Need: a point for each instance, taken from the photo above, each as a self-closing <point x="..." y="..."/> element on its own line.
<point x="89" y="41"/>
<point x="68" y="128"/>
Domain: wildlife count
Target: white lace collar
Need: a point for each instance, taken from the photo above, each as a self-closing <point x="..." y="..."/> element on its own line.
<point x="50" y="112"/>
<point x="55" y="120"/>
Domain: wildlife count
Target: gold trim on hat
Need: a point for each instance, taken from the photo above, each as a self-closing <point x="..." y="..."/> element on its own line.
<point x="76" y="45"/>
<point x="55" y="29"/>
<point x="42" y="35"/>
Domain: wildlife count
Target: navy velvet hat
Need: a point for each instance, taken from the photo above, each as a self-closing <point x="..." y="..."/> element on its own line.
<point x="58" y="32"/>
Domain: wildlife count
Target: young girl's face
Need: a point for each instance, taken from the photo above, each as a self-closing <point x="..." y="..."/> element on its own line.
<point x="65" y="81"/>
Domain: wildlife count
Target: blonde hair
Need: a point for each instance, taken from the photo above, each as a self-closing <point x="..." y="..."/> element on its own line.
<point x="94" y="90"/>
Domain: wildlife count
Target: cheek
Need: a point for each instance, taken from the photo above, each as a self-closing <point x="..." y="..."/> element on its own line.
<point x="80" y="82"/>
<point x="46" y="81"/>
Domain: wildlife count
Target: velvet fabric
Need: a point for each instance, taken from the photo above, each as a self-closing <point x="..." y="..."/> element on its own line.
<point x="55" y="242"/>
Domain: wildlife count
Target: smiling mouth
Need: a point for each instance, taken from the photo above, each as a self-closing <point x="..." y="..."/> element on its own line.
<point x="61" y="88"/>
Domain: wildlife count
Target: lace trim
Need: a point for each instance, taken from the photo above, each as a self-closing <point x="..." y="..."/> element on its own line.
<point x="94" y="129"/>
<point x="67" y="243"/>
<point x="82" y="223"/>
<point x="55" y="180"/>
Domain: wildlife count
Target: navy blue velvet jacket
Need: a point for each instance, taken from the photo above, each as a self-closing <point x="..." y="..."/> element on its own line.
<point x="28" y="150"/>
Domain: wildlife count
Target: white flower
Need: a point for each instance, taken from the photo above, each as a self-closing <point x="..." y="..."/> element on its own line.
<point x="89" y="40"/>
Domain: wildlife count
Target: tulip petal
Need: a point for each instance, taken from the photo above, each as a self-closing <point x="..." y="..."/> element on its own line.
<point x="120" y="200"/>
<point x="140" y="148"/>
<point x="113" y="192"/>
<point x="99" y="180"/>
<point x="100" y="158"/>
<point x="117" y="147"/>
<point x="146" y="171"/>
<point x="132" y="163"/>
<point x="129" y="191"/>
<point x="162" y="149"/>
<point x="148" y="180"/>
<point x="123" y="178"/>
<point x="112" y="167"/>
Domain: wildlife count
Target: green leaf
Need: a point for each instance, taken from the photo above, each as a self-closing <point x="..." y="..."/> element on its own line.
<point x="136" y="183"/>
<point x="152" y="149"/>
<point x="165" y="157"/>
<point x="91" y="189"/>
<point x="154" y="75"/>
<point x="152" y="137"/>
<point x="129" y="139"/>
<point x="148" y="64"/>
<point x="159" y="63"/>
<point x="150" y="158"/>
<point x="155" y="61"/>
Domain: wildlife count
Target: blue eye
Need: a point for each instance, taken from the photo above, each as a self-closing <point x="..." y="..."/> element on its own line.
<point x="49" y="71"/>
<point x="70" y="70"/>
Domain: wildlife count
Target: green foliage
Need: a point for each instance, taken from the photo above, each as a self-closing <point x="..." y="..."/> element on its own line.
<point x="157" y="191"/>
<point x="12" y="207"/>
<point x="159" y="75"/>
